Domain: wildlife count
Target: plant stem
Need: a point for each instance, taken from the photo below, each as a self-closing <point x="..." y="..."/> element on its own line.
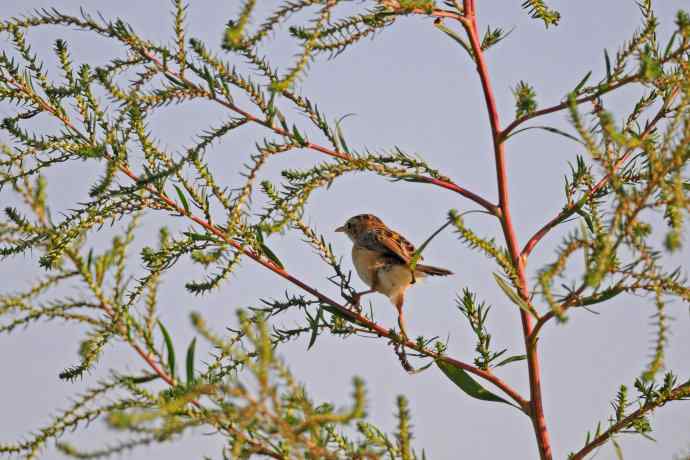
<point x="681" y="391"/>
<point x="469" y="22"/>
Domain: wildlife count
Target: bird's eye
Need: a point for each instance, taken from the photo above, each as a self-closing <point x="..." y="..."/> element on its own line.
<point x="349" y="225"/>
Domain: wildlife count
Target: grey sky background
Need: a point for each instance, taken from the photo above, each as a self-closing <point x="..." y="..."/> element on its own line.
<point x="413" y="88"/>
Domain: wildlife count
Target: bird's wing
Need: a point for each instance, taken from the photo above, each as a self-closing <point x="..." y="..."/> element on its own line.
<point x="386" y="241"/>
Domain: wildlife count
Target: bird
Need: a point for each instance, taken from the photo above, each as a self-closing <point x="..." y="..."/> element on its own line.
<point x="382" y="258"/>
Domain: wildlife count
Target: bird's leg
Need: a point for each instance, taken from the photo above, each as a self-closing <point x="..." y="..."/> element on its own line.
<point x="400" y="345"/>
<point x="401" y="321"/>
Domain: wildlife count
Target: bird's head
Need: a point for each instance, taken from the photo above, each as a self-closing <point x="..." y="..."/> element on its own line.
<point x="358" y="224"/>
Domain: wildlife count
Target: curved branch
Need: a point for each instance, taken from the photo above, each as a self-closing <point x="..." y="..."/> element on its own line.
<point x="447" y="184"/>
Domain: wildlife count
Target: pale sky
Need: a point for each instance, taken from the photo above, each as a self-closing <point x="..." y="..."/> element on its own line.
<point x="411" y="87"/>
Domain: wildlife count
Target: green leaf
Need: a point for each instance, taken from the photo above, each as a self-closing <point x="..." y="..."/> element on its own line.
<point x="586" y="217"/>
<point x="456" y="38"/>
<point x="175" y="81"/>
<point x="617" y="448"/>
<point x="144" y="378"/>
<point x="549" y="129"/>
<point x="603" y="296"/>
<point x="271" y="256"/>
<point x="418" y="253"/>
<point x="339" y="133"/>
<point x="511" y="359"/>
<point x="182" y="198"/>
<point x="169" y="349"/>
<point x="315" y="328"/>
<point x="298" y="136"/>
<point x="265" y="249"/>
<point x="582" y="82"/>
<point x="669" y="45"/>
<point x="608" y="65"/>
<point x="190" y="361"/>
<point x="259" y="234"/>
<point x="467" y="384"/>
<point x="513" y="296"/>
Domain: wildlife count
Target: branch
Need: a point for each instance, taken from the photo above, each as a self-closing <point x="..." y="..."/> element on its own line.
<point x="447" y="184"/>
<point x="570" y="210"/>
<point x="605" y="88"/>
<point x="564" y="105"/>
<point x="681" y="391"/>
<point x="352" y="316"/>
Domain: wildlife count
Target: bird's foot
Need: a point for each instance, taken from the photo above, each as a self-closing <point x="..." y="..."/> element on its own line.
<point x="402" y="357"/>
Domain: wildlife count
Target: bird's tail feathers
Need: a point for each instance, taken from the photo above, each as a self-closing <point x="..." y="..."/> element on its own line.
<point x="433" y="271"/>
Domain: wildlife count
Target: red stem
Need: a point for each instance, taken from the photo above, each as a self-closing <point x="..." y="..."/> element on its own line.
<point x="536" y="404"/>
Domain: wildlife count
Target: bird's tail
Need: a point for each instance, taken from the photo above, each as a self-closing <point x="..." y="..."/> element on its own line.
<point x="433" y="271"/>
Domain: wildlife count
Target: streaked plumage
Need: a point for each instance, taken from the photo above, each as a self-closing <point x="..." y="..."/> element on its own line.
<point x="382" y="258"/>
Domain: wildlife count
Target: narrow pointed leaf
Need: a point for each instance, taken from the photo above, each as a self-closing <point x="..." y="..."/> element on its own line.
<point x="190" y="360"/>
<point x="549" y="129"/>
<point x="511" y="359"/>
<point x="603" y="296"/>
<point x="617" y="448"/>
<point x="182" y="198"/>
<point x="339" y="132"/>
<point x="586" y="217"/>
<point x="271" y="256"/>
<point x="608" y="65"/>
<point x="513" y="296"/>
<point x="669" y="46"/>
<point x="582" y="82"/>
<point x="144" y="379"/>
<point x="467" y="384"/>
<point x="169" y="349"/>
<point x="175" y="81"/>
<point x="456" y="38"/>
<point x="315" y="328"/>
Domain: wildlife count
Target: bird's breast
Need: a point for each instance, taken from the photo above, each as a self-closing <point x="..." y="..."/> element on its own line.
<point x="393" y="279"/>
<point x="381" y="273"/>
<point x="366" y="263"/>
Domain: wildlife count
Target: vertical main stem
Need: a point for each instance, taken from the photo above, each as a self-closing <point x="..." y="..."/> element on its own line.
<point x="536" y="404"/>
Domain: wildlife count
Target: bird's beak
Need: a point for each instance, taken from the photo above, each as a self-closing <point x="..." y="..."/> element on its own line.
<point x="340" y="229"/>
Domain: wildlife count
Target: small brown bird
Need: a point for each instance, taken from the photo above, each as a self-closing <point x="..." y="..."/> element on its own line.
<point x="382" y="259"/>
